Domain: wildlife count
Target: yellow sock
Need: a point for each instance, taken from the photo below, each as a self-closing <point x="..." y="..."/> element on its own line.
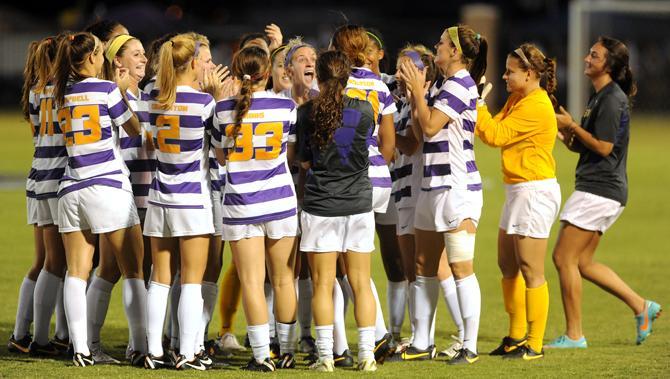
<point x="514" y="295"/>
<point x="229" y="298"/>
<point x="537" y="308"/>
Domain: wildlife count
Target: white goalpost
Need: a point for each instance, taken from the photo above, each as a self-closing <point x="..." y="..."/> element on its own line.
<point x="580" y="14"/>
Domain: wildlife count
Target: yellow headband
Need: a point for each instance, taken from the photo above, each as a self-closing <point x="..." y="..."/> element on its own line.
<point x="115" y="45"/>
<point x="376" y="39"/>
<point x="453" y="34"/>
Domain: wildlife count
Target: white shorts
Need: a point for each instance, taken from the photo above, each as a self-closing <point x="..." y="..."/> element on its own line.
<point x="31" y="210"/>
<point x="101" y="209"/>
<point x="47" y="211"/>
<point x="380" y="199"/>
<point x="389" y="217"/>
<point x="276" y="229"/>
<point x="216" y="212"/>
<point x="177" y="222"/>
<point x="591" y="212"/>
<point x="531" y="208"/>
<point x="338" y="234"/>
<point x="405" y="223"/>
<point x="444" y="210"/>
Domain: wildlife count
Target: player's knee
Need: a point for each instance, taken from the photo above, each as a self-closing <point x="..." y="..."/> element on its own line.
<point x="460" y="247"/>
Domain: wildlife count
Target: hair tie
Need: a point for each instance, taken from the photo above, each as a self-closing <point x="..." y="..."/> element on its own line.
<point x="246" y="77"/>
<point x="478" y="36"/>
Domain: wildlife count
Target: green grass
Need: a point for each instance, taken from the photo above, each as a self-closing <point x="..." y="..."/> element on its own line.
<point x="635" y="247"/>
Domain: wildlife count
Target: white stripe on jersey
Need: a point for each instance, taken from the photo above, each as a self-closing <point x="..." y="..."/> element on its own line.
<point x="258" y="186"/>
<point x="449" y="156"/>
<point x="181" y="135"/>
<point x="90" y="117"/>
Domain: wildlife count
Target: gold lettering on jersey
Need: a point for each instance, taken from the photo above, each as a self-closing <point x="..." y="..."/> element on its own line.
<point x="76" y="98"/>
<point x="362" y="83"/>
<point x="176" y="107"/>
<point x="254" y="115"/>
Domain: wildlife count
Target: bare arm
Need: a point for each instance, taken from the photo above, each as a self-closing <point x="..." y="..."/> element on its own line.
<point x="387" y="137"/>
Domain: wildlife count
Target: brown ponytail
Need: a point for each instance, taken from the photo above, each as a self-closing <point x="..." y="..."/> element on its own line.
<point x="332" y="71"/>
<point x="354" y="42"/>
<point x="475" y="48"/>
<point x="72" y="53"/>
<point x="29" y="79"/>
<point x="617" y="61"/>
<point x="251" y="65"/>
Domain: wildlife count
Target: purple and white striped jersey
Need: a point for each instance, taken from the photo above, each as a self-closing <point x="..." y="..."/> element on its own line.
<point x="407" y="170"/>
<point x="258" y="185"/>
<point x="90" y="117"/>
<point x="182" y="138"/>
<point x="449" y="155"/>
<point x="50" y="157"/>
<point x="365" y="85"/>
<point x="140" y="161"/>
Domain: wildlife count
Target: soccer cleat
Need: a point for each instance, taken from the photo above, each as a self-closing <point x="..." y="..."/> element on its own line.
<point x="645" y="320"/>
<point x="193" y="364"/>
<point x="307" y="345"/>
<point x="274" y="348"/>
<point x="173" y="357"/>
<point x="152" y="362"/>
<point x="323" y="365"/>
<point x="343" y="360"/>
<point x="565" y="342"/>
<point x="524" y="352"/>
<point x="211" y="348"/>
<point x="383" y="348"/>
<point x="286" y="361"/>
<point x="81" y="360"/>
<point x="102" y="358"/>
<point x="508" y="345"/>
<point x="205" y="359"/>
<point x="228" y="344"/>
<point x="464" y="357"/>
<point x="48" y="350"/>
<point x="136" y="358"/>
<point x="60" y="344"/>
<point x="414" y="354"/>
<point x="452" y="350"/>
<point x="367" y="365"/>
<point x="21" y="346"/>
<point x="265" y="365"/>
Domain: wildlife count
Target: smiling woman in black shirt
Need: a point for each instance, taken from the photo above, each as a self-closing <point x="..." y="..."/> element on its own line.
<point x="601" y="190"/>
<point x="337" y="212"/>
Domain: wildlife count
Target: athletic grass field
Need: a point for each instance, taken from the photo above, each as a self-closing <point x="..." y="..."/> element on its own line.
<point x="636" y="247"/>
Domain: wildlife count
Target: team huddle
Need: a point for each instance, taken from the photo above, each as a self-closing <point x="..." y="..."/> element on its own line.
<point x="146" y="163"/>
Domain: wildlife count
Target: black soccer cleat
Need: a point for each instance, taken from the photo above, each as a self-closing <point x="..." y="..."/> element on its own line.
<point x="264" y="366"/>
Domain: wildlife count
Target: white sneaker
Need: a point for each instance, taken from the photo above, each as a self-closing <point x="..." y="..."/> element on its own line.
<point x="324" y="365"/>
<point x="228" y="344"/>
<point x="368" y="365"/>
<point x="102" y="358"/>
<point x="452" y="350"/>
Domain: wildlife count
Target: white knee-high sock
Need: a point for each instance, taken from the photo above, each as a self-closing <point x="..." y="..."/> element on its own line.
<point x="24" y="310"/>
<point x="259" y="339"/>
<point x="366" y="343"/>
<point x="270" y="301"/>
<point x="425" y="302"/>
<point x="324" y="341"/>
<point x="175" y="294"/>
<point x="209" y="292"/>
<point x="305" y="307"/>
<point x="74" y="298"/>
<point x="396" y="298"/>
<point x="380" y="324"/>
<point x="339" y="327"/>
<point x="451" y="299"/>
<point x="61" y="321"/>
<point x="411" y="294"/>
<point x="190" y="318"/>
<point x="287" y="335"/>
<point x="135" y="305"/>
<point x="470" y="300"/>
<point x="157" y="299"/>
<point x="97" y="302"/>
<point x="44" y="301"/>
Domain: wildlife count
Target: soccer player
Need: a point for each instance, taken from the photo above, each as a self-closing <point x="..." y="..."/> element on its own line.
<point x="601" y="190"/>
<point x="364" y="84"/>
<point x="259" y="202"/>
<point x="525" y="131"/>
<point x="279" y="80"/>
<point x="179" y="217"/>
<point x="450" y="201"/>
<point x="90" y="111"/>
<point x="337" y="212"/>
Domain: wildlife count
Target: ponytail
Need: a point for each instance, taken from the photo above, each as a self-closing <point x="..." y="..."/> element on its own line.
<point x="166" y="77"/>
<point x="72" y="52"/>
<point x="617" y="61"/>
<point x="474" y="51"/>
<point x="332" y="71"/>
<point x="548" y="79"/>
<point x="251" y="66"/>
<point x="354" y="42"/>
<point x="242" y="106"/>
<point x="29" y="79"/>
<point x="44" y="57"/>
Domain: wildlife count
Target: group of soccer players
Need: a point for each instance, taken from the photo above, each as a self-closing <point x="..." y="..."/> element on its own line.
<point x="147" y="161"/>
